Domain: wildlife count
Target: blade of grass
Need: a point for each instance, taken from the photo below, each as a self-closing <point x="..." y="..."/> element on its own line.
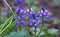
<point x="6" y="26"/>
<point x="3" y="25"/>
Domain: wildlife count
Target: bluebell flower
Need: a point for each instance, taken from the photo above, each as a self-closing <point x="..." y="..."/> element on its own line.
<point x="31" y="11"/>
<point x="46" y="12"/>
<point x="35" y="19"/>
<point x="17" y="24"/>
<point x="17" y="9"/>
<point x="21" y="11"/>
<point x="30" y="24"/>
<point x="19" y="18"/>
<point x="43" y="12"/>
<point x="47" y="17"/>
<point x="22" y="23"/>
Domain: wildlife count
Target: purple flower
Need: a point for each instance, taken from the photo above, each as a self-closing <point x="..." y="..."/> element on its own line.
<point x="35" y="19"/>
<point x="22" y="23"/>
<point x="30" y="24"/>
<point x="48" y="17"/>
<point x="31" y="11"/>
<point x="19" y="18"/>
<point x="35" y="25"/>
<point x="21" y="11"/>
<point x="20" y="3"/>
<point x="42" y="7"/>
<point x="17" y="9"/>
<point x="16" y="24"/>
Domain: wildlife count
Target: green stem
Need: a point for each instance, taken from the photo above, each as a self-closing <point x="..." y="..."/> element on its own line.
<point x="35" y="32"/>
<point x="27" y="28"/>
<point x="20" y="27"/>
<point x="9" y="7"/>
<point x="17" y="29"/>
<point x="41" y="27"/>
<point x="39" y="31"/>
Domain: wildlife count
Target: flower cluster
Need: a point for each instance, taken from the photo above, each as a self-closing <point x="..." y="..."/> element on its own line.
<point x="29" y="17"/>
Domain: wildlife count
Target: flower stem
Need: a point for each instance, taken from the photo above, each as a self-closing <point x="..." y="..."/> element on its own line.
<point x="19" y="28"/>
<point x="35" y="32"/>
<point x="39" y="31"/>
<point x="9" y="7"/>
<point x="41" y="27"/>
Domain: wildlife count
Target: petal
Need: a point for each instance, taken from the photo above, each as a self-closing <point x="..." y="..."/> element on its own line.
<point x="16" y="24"/>
<point x="35" y="25"/>
<point x="48" y="17"/>
<point x="17" y="9"/>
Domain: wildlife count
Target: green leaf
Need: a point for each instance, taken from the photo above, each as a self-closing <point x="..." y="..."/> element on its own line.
<point x="3" y="25"/>
<point x="42" y="33"/>
<point x="52" y="31"/>
<point x="21" y="33"/>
